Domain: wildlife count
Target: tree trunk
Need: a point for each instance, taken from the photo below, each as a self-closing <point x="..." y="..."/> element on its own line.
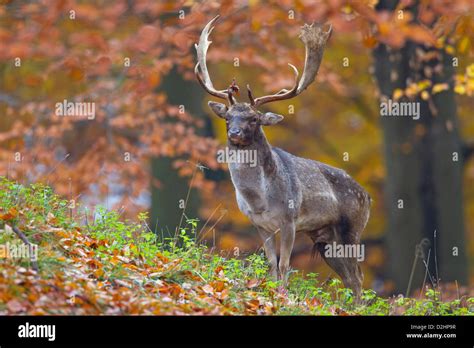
<point x="422" y="169"/>
<point x="165" y="200"/>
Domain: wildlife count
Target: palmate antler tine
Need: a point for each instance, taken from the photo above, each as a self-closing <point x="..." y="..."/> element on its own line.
<point x="282" y="94"/>
<point x="201" y="50"/>
<point x="314" y="39"/>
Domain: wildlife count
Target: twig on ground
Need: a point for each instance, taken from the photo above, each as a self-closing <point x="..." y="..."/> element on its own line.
<point x="22" y="236"/>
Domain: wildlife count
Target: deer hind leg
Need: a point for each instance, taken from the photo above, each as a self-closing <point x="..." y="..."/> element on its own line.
<point x="269" y="245"/>
<point x="346" y="267"/>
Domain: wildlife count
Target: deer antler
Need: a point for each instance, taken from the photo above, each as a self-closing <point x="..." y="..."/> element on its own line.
<point x="205" y="80"/>
<point x="314" y="39"/>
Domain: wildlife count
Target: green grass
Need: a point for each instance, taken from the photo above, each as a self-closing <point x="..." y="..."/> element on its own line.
<point x="99" y="264"/>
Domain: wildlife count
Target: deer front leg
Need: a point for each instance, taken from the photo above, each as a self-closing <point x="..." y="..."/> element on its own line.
<point x="286" y="247"/>
<point x="269" y="245"/>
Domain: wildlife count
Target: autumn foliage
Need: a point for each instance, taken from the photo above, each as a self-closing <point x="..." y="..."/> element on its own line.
<point x="117" y="54"/>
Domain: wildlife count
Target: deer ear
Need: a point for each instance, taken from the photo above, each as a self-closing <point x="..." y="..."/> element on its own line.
<point x="269" y="119"/>
<point x="218" y="108"/>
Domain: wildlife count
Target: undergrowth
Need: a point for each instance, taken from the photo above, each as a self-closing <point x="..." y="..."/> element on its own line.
<point x="97" y="263"/>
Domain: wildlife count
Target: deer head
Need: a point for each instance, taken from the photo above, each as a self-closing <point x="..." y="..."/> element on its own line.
<point x="244" y="119"/>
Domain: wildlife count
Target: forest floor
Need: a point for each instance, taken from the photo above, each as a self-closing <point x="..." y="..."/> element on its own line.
<point x="109" y="266"/>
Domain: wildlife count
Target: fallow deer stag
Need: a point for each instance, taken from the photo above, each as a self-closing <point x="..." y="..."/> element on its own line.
<point x="285" y="193"/>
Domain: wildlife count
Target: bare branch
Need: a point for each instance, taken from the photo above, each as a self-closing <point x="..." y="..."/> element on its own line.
<point x="25" y="240"/>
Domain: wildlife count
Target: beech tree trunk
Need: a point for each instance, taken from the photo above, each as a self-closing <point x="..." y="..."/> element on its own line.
<point x="424" y="163"/>
<point x="165" y="211"/>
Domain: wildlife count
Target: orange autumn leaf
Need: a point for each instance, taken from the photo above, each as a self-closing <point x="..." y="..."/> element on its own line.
<point x="252" y="283"/>
<point x="11" y="214"/>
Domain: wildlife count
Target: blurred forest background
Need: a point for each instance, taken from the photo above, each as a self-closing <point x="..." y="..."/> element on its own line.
<point x="153" y="135"/>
